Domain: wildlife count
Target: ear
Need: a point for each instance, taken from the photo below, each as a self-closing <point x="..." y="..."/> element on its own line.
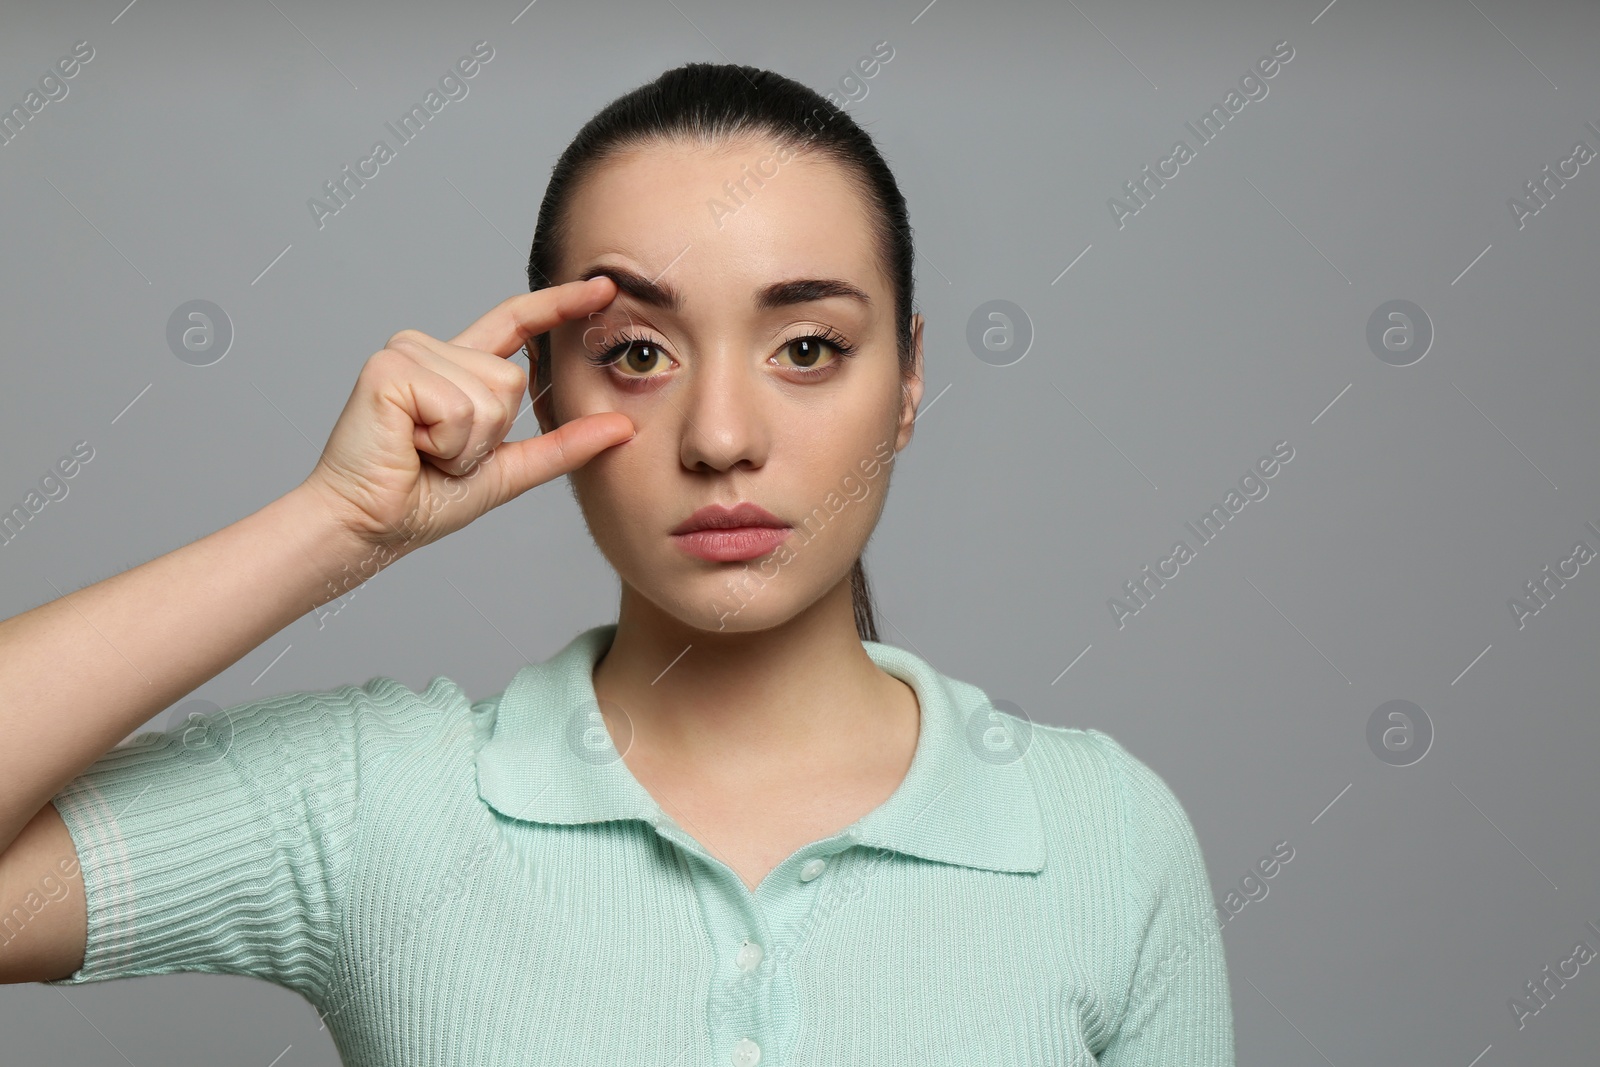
<point x="911" y="393"/>
<point x="539" y="392"/>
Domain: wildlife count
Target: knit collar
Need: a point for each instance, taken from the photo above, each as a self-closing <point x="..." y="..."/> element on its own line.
<point x="550" y="759"/>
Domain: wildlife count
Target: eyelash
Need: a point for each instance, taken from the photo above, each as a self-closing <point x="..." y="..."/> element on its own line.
<point x="622" y="340"/>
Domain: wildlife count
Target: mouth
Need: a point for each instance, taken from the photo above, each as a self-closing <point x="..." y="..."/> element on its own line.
<point x="722" y="534"/>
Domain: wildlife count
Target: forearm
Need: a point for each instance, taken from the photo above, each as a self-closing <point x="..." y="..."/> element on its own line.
<point x="80" y="673"/>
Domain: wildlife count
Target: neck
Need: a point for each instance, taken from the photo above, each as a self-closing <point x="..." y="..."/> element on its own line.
<point x="703" y="698"/>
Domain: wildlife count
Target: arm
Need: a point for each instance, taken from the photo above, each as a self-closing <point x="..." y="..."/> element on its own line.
<point x="117" y="653"/>
<point x="80" y="673"/>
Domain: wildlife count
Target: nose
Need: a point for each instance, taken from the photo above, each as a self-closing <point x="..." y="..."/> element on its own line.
<point x="725" y="422"/>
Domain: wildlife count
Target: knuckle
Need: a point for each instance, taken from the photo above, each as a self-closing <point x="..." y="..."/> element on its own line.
<point x="382" y="363"/>
<point x="514" y="377"/>
<point x="406" y="337"/>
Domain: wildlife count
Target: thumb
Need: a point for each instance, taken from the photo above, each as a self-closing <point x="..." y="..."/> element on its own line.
<point x="535" y="460"/>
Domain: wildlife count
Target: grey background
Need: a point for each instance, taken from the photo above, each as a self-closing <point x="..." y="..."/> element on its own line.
<point x="1229" y="314"/>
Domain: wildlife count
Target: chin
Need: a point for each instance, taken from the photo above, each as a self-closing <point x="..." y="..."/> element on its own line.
<point x="718" y="610"/>
<point x="734" y="599"/>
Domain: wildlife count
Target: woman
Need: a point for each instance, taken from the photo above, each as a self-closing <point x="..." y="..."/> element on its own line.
<point x="731" y="826"/>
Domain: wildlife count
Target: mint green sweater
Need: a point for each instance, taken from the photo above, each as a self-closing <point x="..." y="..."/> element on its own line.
<point x="450" y="882"/>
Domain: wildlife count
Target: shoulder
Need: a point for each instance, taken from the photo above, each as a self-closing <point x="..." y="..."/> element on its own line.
<point x="1089" y="784"/>
<point x="340" y="731"/>
<point x="1075" y="767"/>
<point x="1114" y="760"/>
<point x="1096" y="761"/>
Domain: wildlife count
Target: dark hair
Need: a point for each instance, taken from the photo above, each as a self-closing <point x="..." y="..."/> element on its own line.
<point x="710" y="102"/>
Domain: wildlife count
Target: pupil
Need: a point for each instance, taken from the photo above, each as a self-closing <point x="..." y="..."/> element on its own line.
<point x="636" y="350"/>
<point x="809" y="345"/>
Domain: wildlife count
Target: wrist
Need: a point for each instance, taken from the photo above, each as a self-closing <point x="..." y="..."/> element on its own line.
<point x="343" y="557"/>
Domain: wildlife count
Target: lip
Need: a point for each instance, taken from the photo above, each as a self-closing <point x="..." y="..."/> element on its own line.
<point x="722" y="534"/>
<point x="718" y="517"/>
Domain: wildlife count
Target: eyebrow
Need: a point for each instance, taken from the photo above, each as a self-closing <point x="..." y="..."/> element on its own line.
<point x="776" y="295"/>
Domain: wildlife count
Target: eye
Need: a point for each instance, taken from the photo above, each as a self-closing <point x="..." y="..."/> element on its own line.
<point x="809" y="351"/>
<point x="634" y="356"/>
<point x="639" y="358"/>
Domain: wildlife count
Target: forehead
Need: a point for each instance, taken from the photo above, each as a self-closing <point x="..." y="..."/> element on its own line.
<point x="724" y="219"/>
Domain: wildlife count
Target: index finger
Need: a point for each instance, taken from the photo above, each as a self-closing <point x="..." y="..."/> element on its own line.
<point x="513" y="322"/>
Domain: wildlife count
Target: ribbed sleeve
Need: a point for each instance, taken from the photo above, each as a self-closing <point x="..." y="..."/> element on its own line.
<point x="222" y="846"/>
<point x="1178" y="1009"/>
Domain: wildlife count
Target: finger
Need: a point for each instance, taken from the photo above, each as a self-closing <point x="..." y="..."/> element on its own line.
<point x="535" y="460"/>
<point x="517" y="320"/>
<point x="482" y="375"/>
<point x="421" y="403"/>
<point x="488" y="423"/>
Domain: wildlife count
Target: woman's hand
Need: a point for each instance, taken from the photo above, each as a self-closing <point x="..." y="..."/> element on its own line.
<point x="419" y="450"/>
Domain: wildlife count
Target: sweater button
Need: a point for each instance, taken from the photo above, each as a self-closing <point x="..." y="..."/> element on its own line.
<point x="746" y="1053"/>
<point x="812" y="869"/>
<point x="749" y="957"/>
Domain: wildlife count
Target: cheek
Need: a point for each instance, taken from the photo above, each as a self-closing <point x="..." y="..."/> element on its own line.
<point x="622" y="495"/>
<point x="843" y="475"/>
<point x="837" y="442"/>
<point x="580" y="390"/>
<point x="605" y="485"/>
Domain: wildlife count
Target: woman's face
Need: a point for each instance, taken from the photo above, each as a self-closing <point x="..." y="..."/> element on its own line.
<point x="744" y="387"/>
